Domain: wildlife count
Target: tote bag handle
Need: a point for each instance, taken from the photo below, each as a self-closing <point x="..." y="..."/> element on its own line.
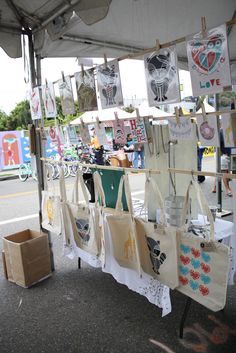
<point x="99" y="192"/>
<point x="203" y="206"/>
<point x="124" y="181"/>
<point x="75" y="193"/>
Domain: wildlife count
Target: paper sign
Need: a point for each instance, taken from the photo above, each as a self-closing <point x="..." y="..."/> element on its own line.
<point x="119" y="131"/>
<point x="208" y="130"/>
<point x="35" y="105"/>
<point x="66" y="94"/>
<point x="72" y="135"/>
<point x="162" y="77"/>
<point x="86" y="91"/>
<point x="228" y="124"/>
<point x="138" y="130"/>
<point x="84" y="134"/>
<point x="101" y="134"/>
<point x="183" y="130"/>
<point x="109" y="85"/>
<point x="208" y="61"/>
<point x="49" y="100"/>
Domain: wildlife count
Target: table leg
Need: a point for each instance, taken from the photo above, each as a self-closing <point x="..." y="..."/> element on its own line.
<point x="184" y="316"/>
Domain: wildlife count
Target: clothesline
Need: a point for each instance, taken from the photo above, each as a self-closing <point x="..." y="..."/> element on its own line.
<point x="146" y="171"/>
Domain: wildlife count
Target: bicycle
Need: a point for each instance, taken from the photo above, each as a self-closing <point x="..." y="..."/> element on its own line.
<point x="25" y="171"/>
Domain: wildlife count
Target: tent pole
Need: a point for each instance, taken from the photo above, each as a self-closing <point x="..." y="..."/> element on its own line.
<point x="218" y="164"/>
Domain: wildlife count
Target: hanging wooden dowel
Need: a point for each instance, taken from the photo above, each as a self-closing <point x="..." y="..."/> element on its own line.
<point x="203" y="25"/>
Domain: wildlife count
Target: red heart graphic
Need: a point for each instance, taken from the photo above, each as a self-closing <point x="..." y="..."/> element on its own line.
<point x="184" y="259"/>
<point x="195" y="252"/>
<point x="183" y="280"/>
<point x="194" y="275"/>
<point x="205" y="267"/>
<point x="204" y="290"/>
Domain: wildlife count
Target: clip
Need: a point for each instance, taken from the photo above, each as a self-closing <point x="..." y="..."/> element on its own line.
<point x="63" y="76"/>
<point x="116" y="116"/>
<point x="192" y="173"/>
<point x="203" y="26"/>
<point x="105" y="59"/>
<point x="158" y="45"/>
<point x="46" y="82"/>
<point x="98" y="122"/>
<point x="177" y="115"/>
<point x="82" y="69"/>
<point x="137" y="113"/>
<point x="82" y="122"/>
<point x="204" y="116"/>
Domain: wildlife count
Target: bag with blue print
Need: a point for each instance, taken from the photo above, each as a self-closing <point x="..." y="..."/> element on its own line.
<point x="203" y="262"/>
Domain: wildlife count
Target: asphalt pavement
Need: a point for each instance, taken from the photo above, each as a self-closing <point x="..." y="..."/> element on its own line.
<point x="87" y="311"/>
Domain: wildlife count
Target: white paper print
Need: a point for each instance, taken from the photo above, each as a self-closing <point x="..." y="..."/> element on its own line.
<point x="208" y="61"/>
<point x="228" y="124"/>
<point x="66" y="94"/>
<point x="72" y="135"/>
<point x="208" y="130"/>
<point x="86" y="91"/>
<point x="138" y="130"/>
<point x="183" y="130"/>
<point x="162" y="77"/>
<point x="35" y="105"/>
<point x="49" y="100"/>
<point x="84" y="133"/>
<point x="119" y="131"/>
<point x="109" y="85"/>
<point x="101" y="134"/>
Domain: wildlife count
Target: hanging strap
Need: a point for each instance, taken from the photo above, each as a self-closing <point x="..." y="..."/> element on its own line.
<point x="99" y="192"/>
<point x="75" y="193"/>
<point x="124" y="181"/>
<point x="152" y="189"/>
<point x="62" y="185"/>
<point x="203" y="206"/>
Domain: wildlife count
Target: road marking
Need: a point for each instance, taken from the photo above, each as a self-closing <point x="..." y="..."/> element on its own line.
<point x="18" y="194"/>
<point x="18" y="219"/>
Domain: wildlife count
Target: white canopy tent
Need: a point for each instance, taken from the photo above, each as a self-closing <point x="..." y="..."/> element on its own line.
<point x="146" y="111"/>
<point x="102" y="115"/>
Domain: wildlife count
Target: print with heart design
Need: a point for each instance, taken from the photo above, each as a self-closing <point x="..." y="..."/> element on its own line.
<point x="205" y="279"/>
<point x="204" y="290"/>
<point x="195" y="252"/>
<point x="195" y="263"/>
<point x="185" y="259"/>
<point x="194" y="285"/>
<point x="206" y="55"/>
<point x="205" y="268"/>
<point x="184" y="270"/>
<point x="194" y="274"/>
<point x="185" y="248"/>
<point x="183" y="280"/>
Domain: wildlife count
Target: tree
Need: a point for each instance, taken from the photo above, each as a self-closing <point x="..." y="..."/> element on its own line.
<point x="3" y="120"/>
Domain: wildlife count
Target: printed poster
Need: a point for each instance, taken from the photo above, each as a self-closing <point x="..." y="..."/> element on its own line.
<point x="138" y="130"/>
<point x="66" y="94"/>
<point x="49" y="100"/>
<point x="109" y="85"/>
<point x="10" y="148"/>
<point x="228" y="124"/>
<point x="72" y="135"/>
<point x="84" y="134"/>
<point x="208" y="61"/>
<point x="86" y="90"/>
<point x="183" y="130"/>
<point x="35" y="105"/>
<point x="208" y="130"/>
<point x="101" y="134"/>
<point x="162" y="77"/>
<point x="119" y="131"/>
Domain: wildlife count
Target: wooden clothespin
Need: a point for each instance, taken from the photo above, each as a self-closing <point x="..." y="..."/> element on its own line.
<point x="98" y="122"/>
<point x="82" y="122"/>
<point x="63" y="76"/>
<point x="82" y="69"/>
<point x="137" y="113"/>
<point x="203" y="26"/>
<point x="177" y="115"/>
<point x="116" y="116"/>
<point x="105" y="59"/>
<point x="46" y="82"/>
<point x="158" y="45"/>
<point x="203" y="112"/>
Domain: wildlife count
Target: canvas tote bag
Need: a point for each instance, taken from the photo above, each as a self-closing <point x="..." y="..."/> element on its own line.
<point x="51" y="219"/>
<point x="123" y="231"/>
<point x="157" y="243"/>
<point x="203" y="262"/>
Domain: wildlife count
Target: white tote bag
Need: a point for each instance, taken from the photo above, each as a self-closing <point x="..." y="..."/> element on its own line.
<point x="203" y="262"/>
<point x="51" y="219"/>
<point x="123" y="230"/>
<point x="157" y="243"/>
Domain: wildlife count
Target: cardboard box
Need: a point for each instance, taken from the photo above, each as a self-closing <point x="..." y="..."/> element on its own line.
<point x="27" y="257"/>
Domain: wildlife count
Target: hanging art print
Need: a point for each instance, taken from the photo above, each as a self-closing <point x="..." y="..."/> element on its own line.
<point x="208" y="130"/>
<point x="66" y="94"/>
<point x="208" y="61"/>
<point x="138" y="130"/>
<point x="49" y="100"/>
<point x="119" y="131"/>
<point x="86" y="91"/>
<point x="228" y="123"/>
<point x="109" y="85"/>
<point x="162" y="77"/>
<point x="182" y="129"/>
<point x="101" y="134"/>
<point x="84" y="133"/>
<point x="35" y="105"/>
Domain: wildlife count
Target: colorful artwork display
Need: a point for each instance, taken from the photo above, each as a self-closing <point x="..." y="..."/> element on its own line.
<point x="181" y="130"/>
<point x="208" y="61"/>
<point x="138" y="130"/>
<point x="162" y="77"/>
<point x="208" y="130"/>
<point x="119" y="131"/>
<point x="25" y="149"/>
<point x="228" y="124"/>
<point x="49" y="100"/>
<point x="84" y="133"/>
<point x="66" y="94"/>
<point x="109" y="85"/>
<point x="35" y="105"/>
<point x="72" y="135"/>
<point x="86" y="90"/>
<point x="10" y="147"/>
